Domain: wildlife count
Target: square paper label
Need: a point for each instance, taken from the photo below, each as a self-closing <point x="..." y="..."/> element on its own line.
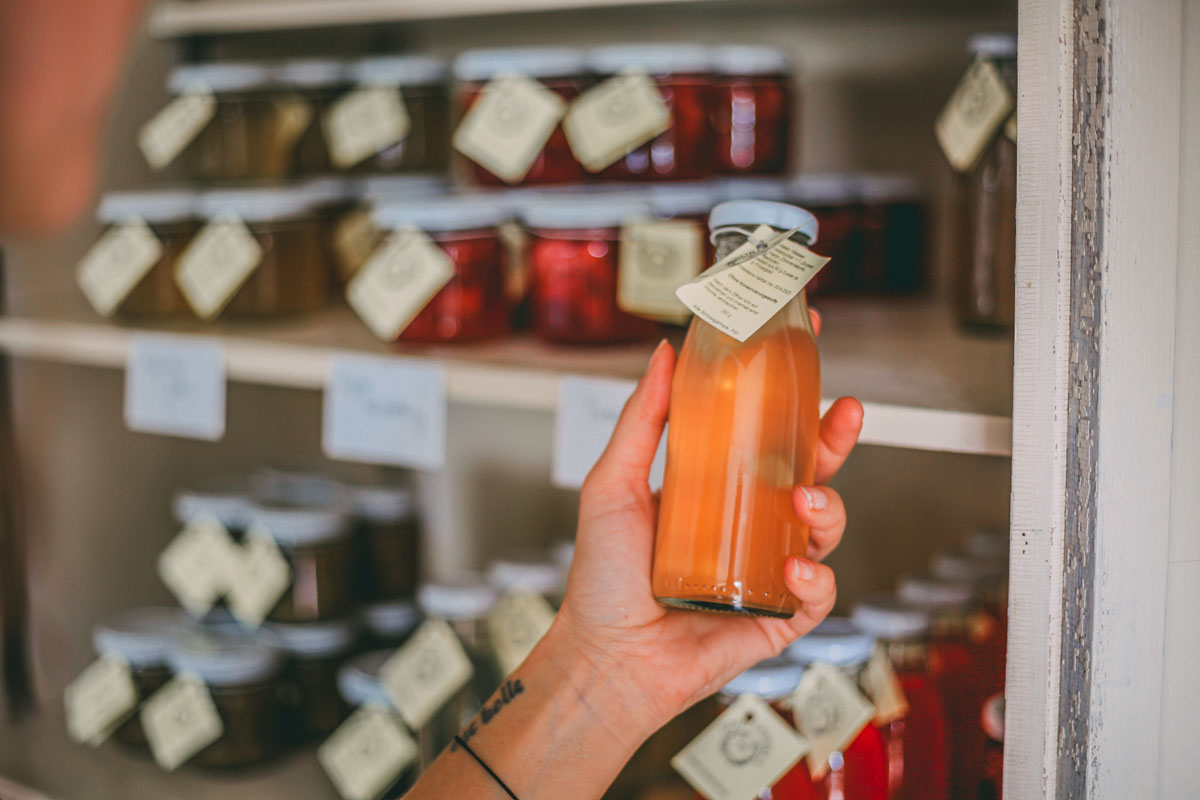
<point x="404" y="274"/>
<point x="175" y="385"/>
<point x="99" y="700"/>
<point x="367" y="753"/>
<point x="258" y="577"/>
<point x="426" y="672"/>
<point x="365" y="122"/>
<point x="883" y="687"/>
<point x="656" y="258"/>
<point x="615" y="117"/>
<point x="830" y="711"/>
<point x="508" y="125"/>
<point x="979" y="106"/>
<point x="744" y="751"/>
<point x="216" y="263"/>
<point x="588" y="410"/>
<point x="116" y="264"/>
<point x="519" y="621"/>
<point x="385" y="411"/>
<point x="196" y="565"/>
<point x="165" y="135"/>
<point x="180" y="720"/>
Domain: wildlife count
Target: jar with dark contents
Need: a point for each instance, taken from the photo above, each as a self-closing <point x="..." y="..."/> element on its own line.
<point x="330" y="199"/>
<point x="359" y="685"/>
<point x="171" y="214"/>
<point x="423" y="83"/>
<point x="751" y="110"/>
<point x="388" y="624"/>
<point x="573" y="256"/>
<point x="559" y="69"/>
<point x="388" y="531"/>
<point x="225" y="498"/>
<point x="892" y="233"/>
<point x="311" y="702"/>
<point x="317" y="82"/>
<point x="833" y="198"/>
<point x="683" y="75"/>
<point x="353" y="236"/>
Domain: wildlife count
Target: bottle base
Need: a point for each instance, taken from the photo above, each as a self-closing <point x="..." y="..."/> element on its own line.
<point x="722" y="605"/>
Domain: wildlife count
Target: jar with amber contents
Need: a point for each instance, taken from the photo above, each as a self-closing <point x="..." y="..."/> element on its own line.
<point x="423" y="83"/>
<point x="316" y="83"/>
<point x="314" y="651"/>
<point x="388" y="531"/>
<point x="359" y="684"/>
<point x="751" y="109"/>
<point x="171" y="214"/>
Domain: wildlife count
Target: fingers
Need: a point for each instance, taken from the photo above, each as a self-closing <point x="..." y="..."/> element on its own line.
<point x="822" y="508"/>
<point x="815" y="317"/>
<point x="814" y="586"/>
<point x="634" y="442"/>
<point x="838" y="434"/>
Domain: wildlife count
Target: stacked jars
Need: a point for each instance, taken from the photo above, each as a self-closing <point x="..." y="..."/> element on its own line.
<point x="422" y="81"/>
<point x="751" y="109"/>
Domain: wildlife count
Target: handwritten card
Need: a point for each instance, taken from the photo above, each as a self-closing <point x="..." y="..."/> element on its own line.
<point x="175" y="385"/>
<point x="588" y="409"/>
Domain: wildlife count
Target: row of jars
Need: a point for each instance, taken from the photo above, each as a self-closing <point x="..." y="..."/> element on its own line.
<point x="730" y="111"/>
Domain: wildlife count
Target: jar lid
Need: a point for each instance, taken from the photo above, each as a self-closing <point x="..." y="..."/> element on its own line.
<point x="327" y="191"/>
<point x="382" y="502"/>
<point x="402" y="70"/>
<point x="446" y="214"/>
<point x="536" y="62"/>
<point x="987" y="543"/>
<point x="749" y="59"/>
<point x="781" y="216"/>
<point x="773" y="679"/>
<point x="528" y="570"/>
<point x="927" y="591"/>
<point x="992" y="717"/>
<point x="993" y="45"/>
<point x="955" y="566"/>
<point x="886" y="617"/>
<point x="592" y="213"/>
<point x="314" y="639"/>
<point x="299" y="486"/>
<point x="299" y="510"/>
<point x="825" y="189"/>
<point x="141" y="636"/>
<point x="383" y="187"/>
<point x="683" y="199"/>
<point x="657" y="58"/>
<point x="222" y="76"/>
<point x="166" y="205"/>
<point x="391" y="619"/>
<point x="836" y="641"/>
<point x="311" y="73"/>
<point x="888" y="187"/>
<point x="760" y="188"/>
<point x="223" y="660"/>
<point x="358" y="679"/>
<point x="255" y="205"/>
<point x="226" y="497"/>
<point x="465" y="596"/>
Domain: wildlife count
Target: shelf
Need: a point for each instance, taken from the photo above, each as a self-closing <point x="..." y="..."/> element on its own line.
<point x="925" y="384"/>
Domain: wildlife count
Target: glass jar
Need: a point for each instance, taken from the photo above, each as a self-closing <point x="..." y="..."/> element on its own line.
<point x="359" y="684"/>
<point x="573" y="255"/>
<point x="687" y="202"/>
<point x="225" y="498"/>
<point x="388" y="533"/>
<point x="424" y="87"/>
<point x="987" y="231"/>
<point x="353" y="235"/>
<point x="991" y="787"/>
<point x="171" y="216"/>
<point x="988" y="626"/>
<point x="892" y="232"/>
<point x="683" y="75"/>
<point x="311" y="703"/>
<point x="559" y="69"/>
<point x="317" y="82"/>
<point x="529" y="570"/>
<point x="390" y="623"/>
<point x="473" y="305"/>
<point x="833" y="198"/>
<point x="751" y="109"/>
<point x="916" y="744"/>
<point x="743" y="435"/>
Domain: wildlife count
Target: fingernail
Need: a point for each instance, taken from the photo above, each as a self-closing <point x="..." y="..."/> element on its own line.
<point x="817" y="499"/>
<point x="801" y="569"/>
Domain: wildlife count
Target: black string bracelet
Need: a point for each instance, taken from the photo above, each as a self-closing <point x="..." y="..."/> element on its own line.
<point x="486" y="768"/>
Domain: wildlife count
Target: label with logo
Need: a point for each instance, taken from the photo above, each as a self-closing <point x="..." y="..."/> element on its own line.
<point x="974" y="113"/>
<point x="116" y="264"/>
<point x="173" y="128"/>
<point x="883" y="687"/>
<point x="742" y="753"/>
<point x="220" y="258"/>
<point x="258" y="577"/>
<point x="197" y="564"/>
<point x="354" y="237"/>
<point x="180" y="720"/>
<point x="830" y="711"/>
<point x="656" y="258"/>
<point x="175" y="385"/>
<point x="519" y="621"/>
<point x="404" y="274"/>
<point x="367" y="753"/>
<point x="426" y="672"/>
<point x="615" y="117"/>
<point x="99" y="700"/>
<point x="588" y="410"/>
<point x="508" y="125"/>
<point x="364" y="122"/>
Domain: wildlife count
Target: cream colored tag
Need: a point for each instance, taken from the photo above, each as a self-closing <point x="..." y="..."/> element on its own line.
<point x="1010" y="127"/>
<point x="116" y="264"/>
<point x="99" y="700"/>
<point x="615" y="117"/>
<point x="180" y="720"/>
<point x="364" y="122"/>
<point x="508" y="125"/>
<point x="367" y="753"/>
<point x="516" y="263"/>
<point x="220" y="258"/>
<point x="742" y="753"/>
<point x="879" y="681"/>
<point x="976" y="110"/>
<point x="173" y="128"/>
<point x="742" y="298"/>
<point x="259" y="575"/>
<point x="355" y="237"/>
<point x="519" y="621"/>
<point x="830" y="711"/>
<point x="657" y="257"/>
<point x="426" y="672"/>
<point x="196" y="565"/>
<point x="403" y="274"/>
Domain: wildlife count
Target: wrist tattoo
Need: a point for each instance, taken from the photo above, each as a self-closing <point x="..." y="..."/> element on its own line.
<point x="491" y="709"/>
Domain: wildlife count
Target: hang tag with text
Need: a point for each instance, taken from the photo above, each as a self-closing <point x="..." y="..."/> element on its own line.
<point x="175" y="385"/>
<point x="745" y="751"/>
<point x="258" y="577"/>
<point x="197" y="564"/>
<point x="588" y="409"/>
<point x="367" y="753"/>
<point x="656" y="258"/>
<point x="974" y="113"/>
<point x="518" y="622"/>
<point x="99" y="700"/>
<point x="882" y="686"/>
<point x="173" y="128"/>
<point x="426" y="672"/>
<point x="220" y="258"/>
<point x="364" y="122"/>
<point x="354" y="238"/>
<point x="508" y="125"/>
<point x="180" y="720"/>
<point x="116" y="264"/>
<point x="614" y="117"/>
<point x="400" y="278"/>
<point x="830" y="711"/>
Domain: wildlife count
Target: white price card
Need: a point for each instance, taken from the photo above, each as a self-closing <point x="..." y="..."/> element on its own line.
<point x="364" y="122"/>
<point x="588" y="409"/>
<point x="745" y="750"/>
<point x="99" y="700"/>
<point x="220" y="258"/>
<point x="830" y="711"/>
<point x="518" y="622"/>
<point x="367" y="753"/>
<point x="656" y="258"/>
<point x="173" y="128"/>
<point x="175" y="385"/>
<point x="180" y="720"/>
<point x="382" y="410"/>
<point x="400" y="278"/>
<point x="974" y="113"/>
<point x="426" y="672"/>
<point x="258" y="577"/>
<point x="116" y="264"/>
<point x="196" y="565"/>
<point x="508" y="125"/>
<point x="883" y="687"/>
<point x="614" y="117"/>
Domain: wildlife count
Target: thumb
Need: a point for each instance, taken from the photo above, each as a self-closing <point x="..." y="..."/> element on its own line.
<point x="634" y="442"/>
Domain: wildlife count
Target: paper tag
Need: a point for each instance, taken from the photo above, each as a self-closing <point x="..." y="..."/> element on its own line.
<point x="258" y="577"/>
<point x="426" y="672"/>
<point x="219" y="259"/>
<point x="979" y="106"/>
<point x="745" y="751"/>
<point x="197" y="564"/>
<point x="588" y="410"/>
<point x="1010" y="127"/>
<point x="364" y="122"/>
<point x="354" y="237"/>
<point x="173" y="128"/>
<point x="180" y="720"/>
<point x="516" y="264"/>
<point x="99" y="700"/>
<point x="519" y="621"/>
<point x="404" y="274"/>
<point x="883" y="687"/>
<point x="615" y="117"/>
<point x="367" y="753"/>
<point x="385" y="411"/>
<point x="175" y="385"/>
<point x="656" y="258"/>
<point x="116" y="264"/>
<point x="830" y="711"/>
<point x="293" y="115"/>
<point x="508" y="125"/>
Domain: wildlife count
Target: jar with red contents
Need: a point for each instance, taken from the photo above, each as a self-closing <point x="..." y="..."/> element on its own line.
<point x="573" y="252"/>
<point x="751" y="110"/>
<point x="892" y="229"/>
<point x="833" y="199"/>
<point x="687" y="202"/>
<point x="559" y="69"/>
<point x="473" y="304"/>
<point x="988" y="625"/>
<point x="683" y="74"/>
<point x="916" y="743"/>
